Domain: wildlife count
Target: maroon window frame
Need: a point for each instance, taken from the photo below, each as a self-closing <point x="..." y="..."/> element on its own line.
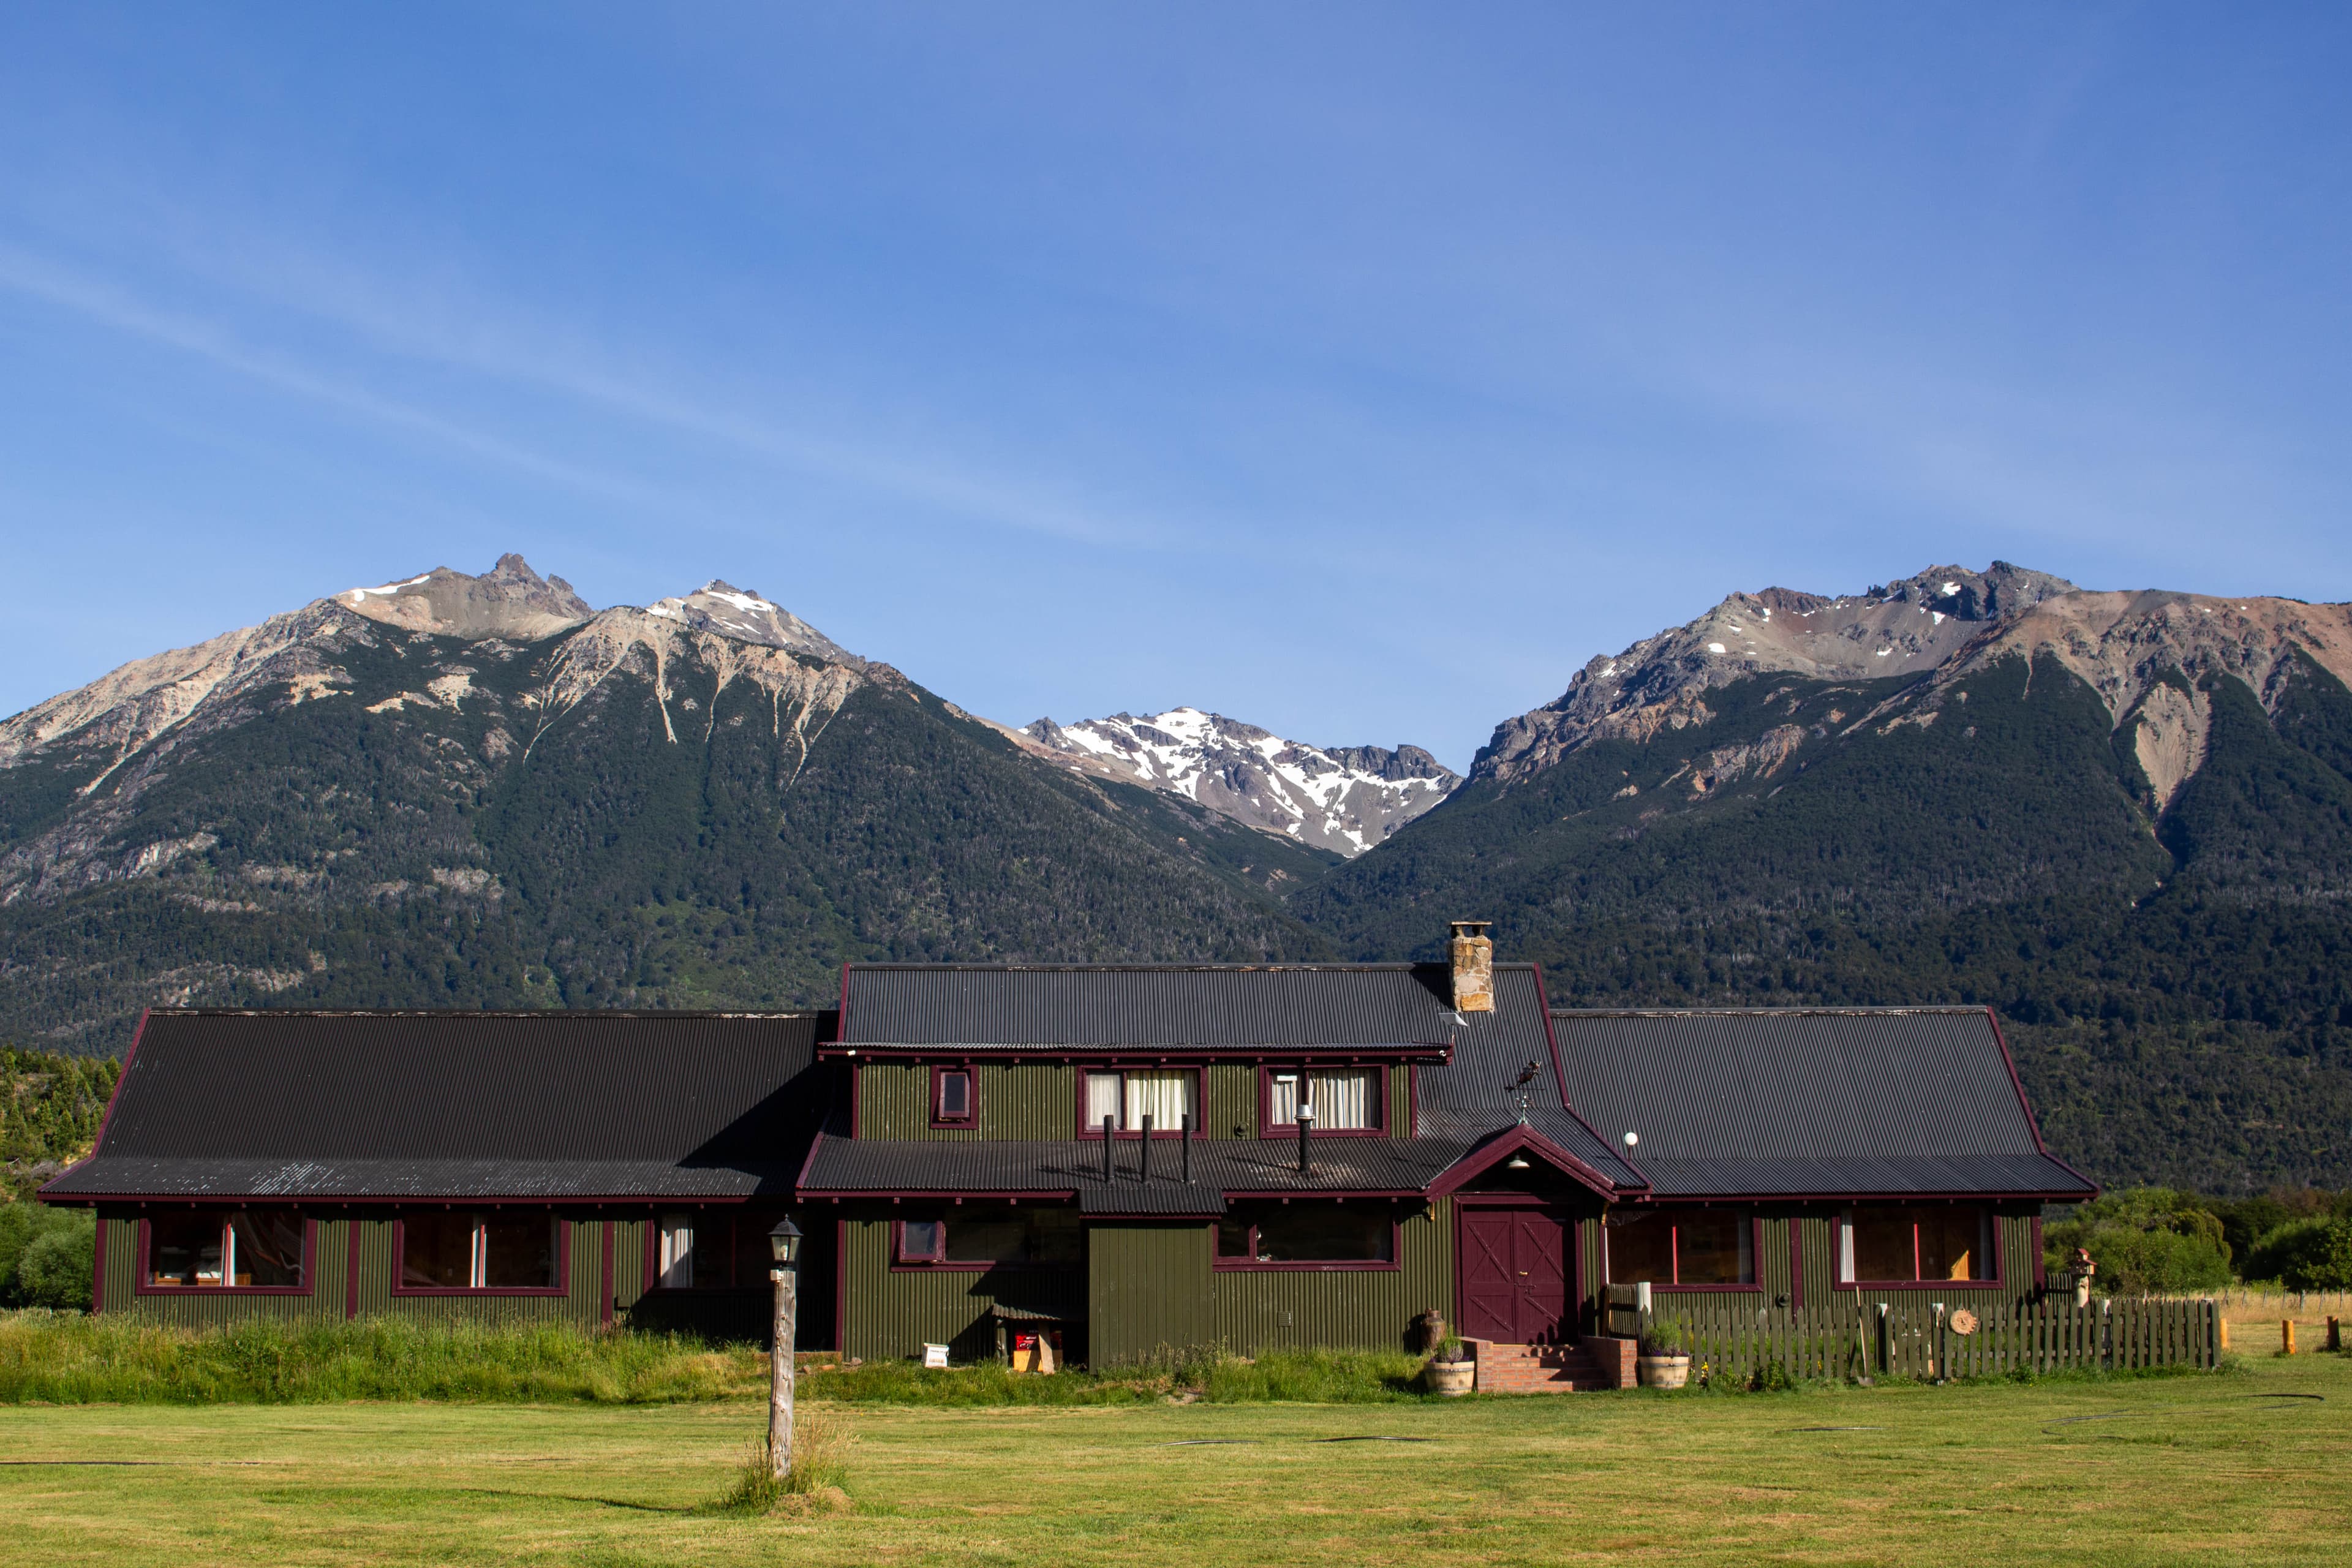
<point x="1394" y="1261"/>
<point x="144" y="1272"/>
<point x="1987" y="1229"/>
<point x="938" y="1261"/>
<point x="1752" y="1285"/>
<point x="1095" y="1130"/>
<point x="1269" y="1128"/>
<point x="761" y="1219"/>
<point x="562" y="1286"/>
<point x="970" y="1076"/>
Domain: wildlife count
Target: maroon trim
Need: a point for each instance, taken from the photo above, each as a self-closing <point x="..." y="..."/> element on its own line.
<point x="604" y="1286"/>
<point x="2032" y="1124"/>
<point x="841" y="1024"/>
<point x="1479" y="1160"/>
<point x="98" y="1264"/>
<point x="840" y="1280"/>
<point x="351" y="1269"/>
<point x="106" y="1117"/>
<point x="799" y="1181"/>
<point x="140" y="1285"/>
<point x="945" y="1193"/>
<point x="1560" y="1076"/>
<point x="1999" y="1280"/>
<point x="1755" y="1260"/>
<point x="971" y="1118"/>
<point x="649" y="1279"/>
<point x="1394" y="1261"/>
<point x="1327" y="1192"/>
<point x="1859" y="1195"/>
<point x="563" y="1267"/>
<point x="1432" y="1051"/>
<point x="1270" y="1129"/>
<point x="1413" y="1100"/>
<point x="420" y="1200"/>
<point x="1094" y="1133"/>
<point x="1796" y="1224"/>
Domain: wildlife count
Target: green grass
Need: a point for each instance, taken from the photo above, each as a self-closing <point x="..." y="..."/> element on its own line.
<point x="67" y="1358"/>
<point x="2213" y="1468"/>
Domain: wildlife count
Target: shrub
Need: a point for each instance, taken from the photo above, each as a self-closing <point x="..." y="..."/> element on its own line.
<point x="2310" y="1254"/>
<point x="45" y="1256"/>
<point x="2145" y="1241"/>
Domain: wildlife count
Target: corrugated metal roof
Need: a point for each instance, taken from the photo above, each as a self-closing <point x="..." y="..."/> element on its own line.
<point x="1809" y="1099"/>
<point x="416" y="1103"/>
<point x="1109" y="1007"/>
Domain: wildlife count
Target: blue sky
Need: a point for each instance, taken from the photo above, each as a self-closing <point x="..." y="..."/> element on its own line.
<point x="1354" y="370"/>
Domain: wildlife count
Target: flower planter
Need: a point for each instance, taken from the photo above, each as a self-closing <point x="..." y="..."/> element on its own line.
<point x="1663" y="1371"/>
<point x="1451" y="1379"/>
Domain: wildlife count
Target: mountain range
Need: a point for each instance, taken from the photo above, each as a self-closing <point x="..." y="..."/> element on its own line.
<point x="2122" y="819"/>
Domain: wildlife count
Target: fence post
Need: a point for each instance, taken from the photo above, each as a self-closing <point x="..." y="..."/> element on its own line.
<point x="2286" y="1335"/>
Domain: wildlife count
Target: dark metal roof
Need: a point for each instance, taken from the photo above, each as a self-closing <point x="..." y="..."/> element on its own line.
<point x="477" y="1105"/>
<point x="1296" y="1008"/>
<point x="1826" y="1101"/>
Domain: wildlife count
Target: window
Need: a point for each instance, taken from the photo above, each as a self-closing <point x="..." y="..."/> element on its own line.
<point x="954" y="1097"/>
<point x="994" y="1238"/>
<point x="458" y="1251"/>
<point x="1905" y="1245"/>
<point x="250" y="1249"/>
<point x="1128" y="1096"/>
<point x="1341" y="1099"/>
<point x="676" y="1260"/>
<point x="1682" y="1247"/>
<point x="1306" y="1233"/>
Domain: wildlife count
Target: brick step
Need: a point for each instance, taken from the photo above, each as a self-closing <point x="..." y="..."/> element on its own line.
<point x="1537" y="1369"/>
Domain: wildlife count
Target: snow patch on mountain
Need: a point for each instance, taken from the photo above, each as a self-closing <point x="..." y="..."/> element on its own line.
<point x="1346" y="798"/>
<point x="741" y="612"/>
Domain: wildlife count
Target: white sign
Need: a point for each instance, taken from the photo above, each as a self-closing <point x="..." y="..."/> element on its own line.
<point x="935" y="1355"/>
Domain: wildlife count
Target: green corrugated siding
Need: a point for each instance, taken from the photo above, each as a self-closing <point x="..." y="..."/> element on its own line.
<point x="1017" y="1100"/>
<point x="1773" y="1258"/>
<point x="889" y="1313"/>
<point x="1229" y="1101"/>
<point x="1286" y="1308"/>
<point x="1593" y="1243"/>
<point x="1817" y="1238"/>
<point x="1148" y="1289"/>
<point x="213" y="1310"/>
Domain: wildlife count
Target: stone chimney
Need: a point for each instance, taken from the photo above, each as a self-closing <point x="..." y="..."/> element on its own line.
<point x="1473" y="967"/>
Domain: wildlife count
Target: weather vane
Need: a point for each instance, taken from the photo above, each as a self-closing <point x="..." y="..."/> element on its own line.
<point x="1523" y="1086"/>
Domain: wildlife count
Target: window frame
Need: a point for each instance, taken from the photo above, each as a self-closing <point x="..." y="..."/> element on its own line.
<point x="145" y="1286"/>
<point x="1752" y="1285"/>
<point x="970" y="1120"/>
<point x="1267" y="1128"/>
<point x="1988" y="1223"/>
<point x="942" y="1263"/>
<point x="1250" y="1265"/>
<point x="562" y="1286"/>
<point x="1094" y="1131"/>
<point x="734" y="1217"/>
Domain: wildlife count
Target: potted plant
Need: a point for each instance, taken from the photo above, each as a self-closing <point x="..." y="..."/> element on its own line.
<point x="1450" y="1370"/>
<point x="1663" y="1363"/>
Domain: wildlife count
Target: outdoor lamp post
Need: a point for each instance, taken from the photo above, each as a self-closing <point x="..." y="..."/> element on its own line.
<point x="784" y="1247"/>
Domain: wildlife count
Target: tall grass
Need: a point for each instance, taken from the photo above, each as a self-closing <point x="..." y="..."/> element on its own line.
<point x="819" y="1465"/>
<point x="66" y="1358"/>
<point x="1315" y="1376"/>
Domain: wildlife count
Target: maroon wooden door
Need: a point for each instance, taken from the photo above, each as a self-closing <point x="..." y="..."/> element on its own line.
<point x="1514" y="1275"/>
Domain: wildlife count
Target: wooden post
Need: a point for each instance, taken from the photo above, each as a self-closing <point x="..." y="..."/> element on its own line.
<point x="2286" y="1336"/>
<point x="2335" y="1335"/>
<point x="2224" y="1332"/>
<point x="780" y="1371"/>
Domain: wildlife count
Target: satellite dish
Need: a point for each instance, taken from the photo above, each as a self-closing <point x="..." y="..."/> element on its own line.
<point x="1632" y="1139"/>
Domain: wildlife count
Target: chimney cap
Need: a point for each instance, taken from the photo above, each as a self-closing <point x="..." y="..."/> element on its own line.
<point x="1470" y="927"/>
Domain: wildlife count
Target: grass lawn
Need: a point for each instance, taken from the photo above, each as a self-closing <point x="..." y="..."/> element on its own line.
<point x="2203" y="1469"/>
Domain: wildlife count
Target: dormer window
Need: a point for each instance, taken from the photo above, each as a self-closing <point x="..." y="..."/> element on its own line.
<point x="1127" y="1095"/>
<point x="1341" y="1099"/>
<point x="955" y="1097"/>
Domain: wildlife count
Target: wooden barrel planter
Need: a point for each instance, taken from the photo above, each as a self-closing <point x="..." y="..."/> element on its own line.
<point x="1452" y="1379"/>
<point x="1663" y="1371"/>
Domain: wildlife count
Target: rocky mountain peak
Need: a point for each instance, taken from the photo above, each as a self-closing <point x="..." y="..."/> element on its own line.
<point x="509" y="600"/>
<point x="1346" y="798"/>
<point x="1904" y="627"/>
<point x="725" y="610"/>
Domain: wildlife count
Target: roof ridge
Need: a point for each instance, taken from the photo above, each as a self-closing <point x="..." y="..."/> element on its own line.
<point x="1835" y="1011"/>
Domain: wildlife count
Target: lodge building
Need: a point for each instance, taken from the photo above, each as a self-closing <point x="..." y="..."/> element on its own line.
<point x="1119" y="1158"/>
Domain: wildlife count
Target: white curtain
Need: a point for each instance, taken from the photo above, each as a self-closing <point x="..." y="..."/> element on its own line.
<point x="1282" y="1100"/>
<point x="1102" y="1098"/>
<point x="1345" y="1098"/>
<point x="1845" y="1249"/>
<point x="677" y="1251"/>
<point x="1165" y="1097"/>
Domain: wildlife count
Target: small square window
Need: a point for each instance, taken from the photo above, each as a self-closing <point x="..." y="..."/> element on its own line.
<point x="921" y="1241"/>
<point x="951" y="1097"/>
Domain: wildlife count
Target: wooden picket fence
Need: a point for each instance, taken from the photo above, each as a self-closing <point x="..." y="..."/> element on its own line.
<point x="1876" y="1338"/>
